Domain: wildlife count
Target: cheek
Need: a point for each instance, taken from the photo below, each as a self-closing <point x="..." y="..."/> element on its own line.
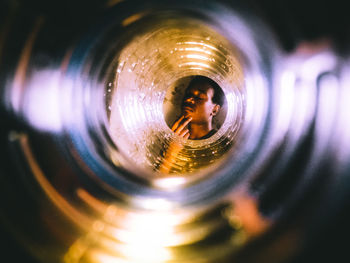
<point x="209" y="108"/>
<point x="203" y="109"/>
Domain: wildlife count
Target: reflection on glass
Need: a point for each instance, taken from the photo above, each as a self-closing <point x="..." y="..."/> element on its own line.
<point x="174" y="102"/>
<point x="202" y="101"/>
<point x="141" y="93"/>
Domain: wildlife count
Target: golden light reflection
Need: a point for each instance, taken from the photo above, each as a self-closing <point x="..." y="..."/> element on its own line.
<point x="246" y="214"/>
<point x="171" y="182"/>
<point x="131" y="19"/>
<point x="201" y="44"/>
<point x="197" y="49"/>
<point x="195" y="64"/>
<point x="147" y="229"/>
<point x="145" y="70"/>
<point x="109" y="225"/>
<point x="155" y="231"/>
<point x="124" y="235"/>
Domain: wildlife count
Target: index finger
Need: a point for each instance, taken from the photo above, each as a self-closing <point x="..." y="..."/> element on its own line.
<point x="183" y="125"/>
<point x="176" y="124"/>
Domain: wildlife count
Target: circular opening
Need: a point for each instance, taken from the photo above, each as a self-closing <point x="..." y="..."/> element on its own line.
<point x="175" y="98"/>
<point x="151" y="76"/>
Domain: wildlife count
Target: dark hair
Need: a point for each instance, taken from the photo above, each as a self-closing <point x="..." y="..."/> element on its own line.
<point x="219" y="96"/>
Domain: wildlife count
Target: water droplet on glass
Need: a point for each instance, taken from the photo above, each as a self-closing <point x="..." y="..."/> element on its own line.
<point x="142" y="96"/>
<point x="133" y="66"/>
<point x="121" y="67"/>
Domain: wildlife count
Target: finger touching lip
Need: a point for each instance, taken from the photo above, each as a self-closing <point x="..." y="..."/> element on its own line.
<point x="187" y="108"/>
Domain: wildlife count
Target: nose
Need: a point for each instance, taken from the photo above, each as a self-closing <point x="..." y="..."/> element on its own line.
<point x="190" y="100"/>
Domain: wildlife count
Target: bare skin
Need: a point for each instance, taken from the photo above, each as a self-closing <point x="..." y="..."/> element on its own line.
<point x="198" y="104"/>
<point x="195" y="122"/>
<point x="179" y="128"/>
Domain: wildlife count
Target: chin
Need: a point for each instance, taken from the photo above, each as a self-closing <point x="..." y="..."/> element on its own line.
<point x="187" y="113"/>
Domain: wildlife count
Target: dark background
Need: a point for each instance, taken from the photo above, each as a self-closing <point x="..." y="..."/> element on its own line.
<point x="292" y="21"/>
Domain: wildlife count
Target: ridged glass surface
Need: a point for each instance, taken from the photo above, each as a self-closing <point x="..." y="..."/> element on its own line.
<point x="86" y="105"/>
<point x="147" y="67"/>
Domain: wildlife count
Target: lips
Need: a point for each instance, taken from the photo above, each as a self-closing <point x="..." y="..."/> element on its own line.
<point x="188" y="108"/>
